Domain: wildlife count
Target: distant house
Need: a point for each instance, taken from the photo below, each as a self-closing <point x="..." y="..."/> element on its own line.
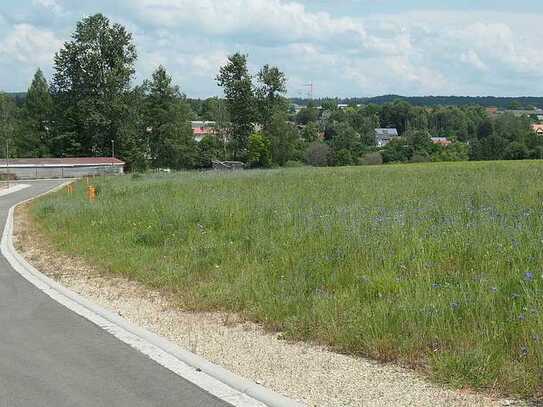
<point x="385" y="136"/>
<point x="228" y="165"/>
<point x="201" y="129"/>
<point x="297" y="108"/>
<point x="442" y="141"/>
<point x="522" y="112"/>
<point x="492" y="111"/>
<point x="538" y="129"/>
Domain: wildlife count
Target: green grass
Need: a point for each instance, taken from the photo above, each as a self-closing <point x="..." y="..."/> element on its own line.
<point x="438" y="266"/>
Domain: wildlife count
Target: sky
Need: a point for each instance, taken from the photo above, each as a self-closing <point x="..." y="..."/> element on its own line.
<point x="344" y="48"/>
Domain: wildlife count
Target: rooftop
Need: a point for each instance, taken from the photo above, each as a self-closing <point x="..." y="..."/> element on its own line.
<point x="202" y="124"/>
<point x="55" y="162"/>
<point x="386" y="132"/>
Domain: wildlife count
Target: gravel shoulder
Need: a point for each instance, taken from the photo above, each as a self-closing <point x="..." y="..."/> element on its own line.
<point x="301" y="371"/>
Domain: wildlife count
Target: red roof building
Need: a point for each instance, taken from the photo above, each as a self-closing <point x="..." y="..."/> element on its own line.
<point x="40" y="168"/>
<point x="538" y="129"/>
<point x="55" y="162"/>
<point x="201" y="129"/>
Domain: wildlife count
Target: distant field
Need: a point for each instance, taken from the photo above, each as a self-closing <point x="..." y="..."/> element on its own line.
<point x="438" y="266"/>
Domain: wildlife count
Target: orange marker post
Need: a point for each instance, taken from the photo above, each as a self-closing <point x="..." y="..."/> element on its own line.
<point x="91" y="193"/>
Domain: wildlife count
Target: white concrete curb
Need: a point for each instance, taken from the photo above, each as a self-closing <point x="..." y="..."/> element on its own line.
<point x="214" y="379"/>
<point x="12" y="189"/>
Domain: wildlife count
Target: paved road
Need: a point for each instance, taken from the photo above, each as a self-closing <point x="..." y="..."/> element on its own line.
<point x="51" y="357"/>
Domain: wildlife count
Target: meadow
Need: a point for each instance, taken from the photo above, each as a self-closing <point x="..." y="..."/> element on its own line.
<point x="435" y="266"/>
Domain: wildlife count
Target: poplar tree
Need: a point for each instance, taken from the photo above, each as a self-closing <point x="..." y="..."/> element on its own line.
<point x="37" y="119"/>
<point x="170" y="140"/>
<point x="236" y="81"/>
<point x="272" y="85"/>
<point x="92" y="78"/>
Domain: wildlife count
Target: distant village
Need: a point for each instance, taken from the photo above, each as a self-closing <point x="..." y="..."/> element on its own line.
<point x="383" y="136"/>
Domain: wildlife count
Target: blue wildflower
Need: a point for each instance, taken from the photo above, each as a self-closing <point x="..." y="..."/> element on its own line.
<point x="528" y="276"/>
<point x="436" y="285"/>
<point x="455" y="305"/>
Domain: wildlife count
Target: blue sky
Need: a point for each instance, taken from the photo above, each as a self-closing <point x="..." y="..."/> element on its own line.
<point x="346" y="48"/>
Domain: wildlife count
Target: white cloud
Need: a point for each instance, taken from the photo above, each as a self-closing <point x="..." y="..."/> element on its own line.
<point x="472" y="58"/>
<point x="290" y="20"/>
<point x="29" y="45"/>
<point x="410" y="52"/>
<point x="51" y="5"/>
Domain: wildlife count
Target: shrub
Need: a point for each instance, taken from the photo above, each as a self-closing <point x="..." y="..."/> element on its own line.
<point x="374" y="158"/>
<point x="317" y="154"/>
<point x="259" y="154"/>
<point x="343" y="158"/>
<point x="420" y="158"/>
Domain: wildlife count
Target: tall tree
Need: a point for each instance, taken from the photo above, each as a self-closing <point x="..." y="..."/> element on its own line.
<point x="171" y="143"/>
<point x="37" y="119"/>
<point x="215" y="109"/>
<point x="284" y="138"/>
<point x="236" y="81"/>
<point x="133" y="145"/>
<point x="272" y="84"/>
<point x="92" y="77"/>
<point x="9" y="125"/>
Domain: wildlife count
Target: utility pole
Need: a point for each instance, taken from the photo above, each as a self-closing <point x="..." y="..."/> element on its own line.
<point x="310" y="91"/>
<point x="113" y="148"/>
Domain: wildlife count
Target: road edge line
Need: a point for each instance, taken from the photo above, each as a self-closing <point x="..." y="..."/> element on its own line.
<point x="79" y="305"/>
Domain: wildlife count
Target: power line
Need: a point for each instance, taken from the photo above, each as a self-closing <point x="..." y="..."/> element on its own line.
<point x="310" y="90"/>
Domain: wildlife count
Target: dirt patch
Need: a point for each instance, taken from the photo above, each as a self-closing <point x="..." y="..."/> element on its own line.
<point x="301" y="371"/>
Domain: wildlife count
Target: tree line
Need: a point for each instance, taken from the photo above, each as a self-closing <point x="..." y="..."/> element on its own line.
<point x="522" y="102"/>
<point x="348" y="134"/>
<point x="92" y="108"/>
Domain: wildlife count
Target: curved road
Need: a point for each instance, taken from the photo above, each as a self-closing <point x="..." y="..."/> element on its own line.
<point x="50" y="356"/>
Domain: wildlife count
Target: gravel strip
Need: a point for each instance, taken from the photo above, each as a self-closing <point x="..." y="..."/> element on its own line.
<point x="300" y="371"/>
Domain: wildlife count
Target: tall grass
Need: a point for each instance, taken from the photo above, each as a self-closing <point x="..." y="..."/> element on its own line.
<point x="437" y="266"/>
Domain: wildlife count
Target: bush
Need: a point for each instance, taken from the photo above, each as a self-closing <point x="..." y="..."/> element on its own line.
<point x="343" y="158"/>
<point x="454" y="152"/>
<point x="259" y="154"/>
<point x="374" y="158"/>
<point x="420" y="158"/>
<point x="516" y="151"/>
<point x="317" y="154"/>
<point x="397" y="151"/>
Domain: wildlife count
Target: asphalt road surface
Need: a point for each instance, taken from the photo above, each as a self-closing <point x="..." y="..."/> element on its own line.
<point x="50" y="356"/>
